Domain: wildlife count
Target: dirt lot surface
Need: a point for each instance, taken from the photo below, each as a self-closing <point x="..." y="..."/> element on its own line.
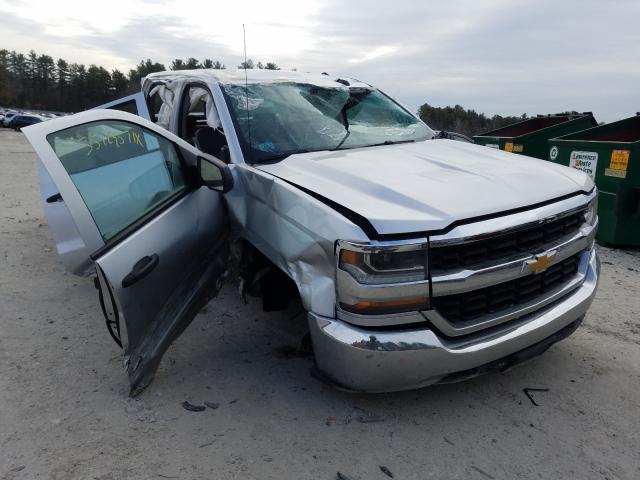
<point x="65" y="414"/>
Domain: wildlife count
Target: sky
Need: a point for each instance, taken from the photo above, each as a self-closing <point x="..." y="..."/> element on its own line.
<point x="494" y="56"/>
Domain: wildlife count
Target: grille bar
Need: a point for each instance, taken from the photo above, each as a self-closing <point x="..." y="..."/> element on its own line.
<point x="468" y="306"/>
<point x="528" y="240"/>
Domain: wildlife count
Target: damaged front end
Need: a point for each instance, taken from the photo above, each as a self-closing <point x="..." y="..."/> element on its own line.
<point x="294" y="231"/>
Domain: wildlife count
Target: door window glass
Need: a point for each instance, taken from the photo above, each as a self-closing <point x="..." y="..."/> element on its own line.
<point x="121" y="170"/>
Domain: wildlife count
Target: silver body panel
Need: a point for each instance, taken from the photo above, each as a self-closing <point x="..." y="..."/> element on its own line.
<point x="70" y="244"/>
<point x="187" y="238"/>
<point x="428" y="186"/>
<point x="294" y="230"/>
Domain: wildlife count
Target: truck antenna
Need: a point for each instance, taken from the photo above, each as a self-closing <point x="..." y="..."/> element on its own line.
<point x="246" y="84"/>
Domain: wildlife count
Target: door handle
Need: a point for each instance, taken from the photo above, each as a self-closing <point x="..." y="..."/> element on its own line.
<point x="141" y="269"/>
<point x="56" y="197"/>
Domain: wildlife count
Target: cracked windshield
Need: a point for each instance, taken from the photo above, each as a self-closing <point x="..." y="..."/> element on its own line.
<point x="276" y="120"/>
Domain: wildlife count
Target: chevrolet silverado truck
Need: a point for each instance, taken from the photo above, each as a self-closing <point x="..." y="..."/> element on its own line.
<point x="418" y="261"/>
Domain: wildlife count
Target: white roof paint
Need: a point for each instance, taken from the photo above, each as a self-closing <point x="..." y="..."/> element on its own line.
<point x="237" y="76"/>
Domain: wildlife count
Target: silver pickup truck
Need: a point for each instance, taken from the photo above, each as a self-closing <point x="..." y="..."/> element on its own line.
<point x="418" y="260"/>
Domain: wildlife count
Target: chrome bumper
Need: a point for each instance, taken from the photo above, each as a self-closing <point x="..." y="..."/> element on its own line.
<point x="373" y="360"/>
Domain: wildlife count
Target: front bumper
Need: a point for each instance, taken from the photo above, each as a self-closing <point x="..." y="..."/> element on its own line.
<point x="387" y="360"/>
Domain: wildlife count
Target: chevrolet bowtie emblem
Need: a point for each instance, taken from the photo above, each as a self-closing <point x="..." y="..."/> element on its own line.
<point x="541" y="263"/>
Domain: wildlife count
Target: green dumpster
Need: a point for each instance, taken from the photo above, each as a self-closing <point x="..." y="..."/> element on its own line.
<point x="529" y="137"/>
<point x="610" y="154"/>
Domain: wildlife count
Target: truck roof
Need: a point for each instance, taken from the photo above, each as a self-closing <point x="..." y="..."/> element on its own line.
<point x="237" y="76"/>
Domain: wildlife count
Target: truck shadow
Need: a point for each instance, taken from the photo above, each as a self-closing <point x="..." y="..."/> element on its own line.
<point x="235" y="351"/>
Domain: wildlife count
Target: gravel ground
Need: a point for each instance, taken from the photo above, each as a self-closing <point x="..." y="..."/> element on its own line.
<point x="65" y="414"/>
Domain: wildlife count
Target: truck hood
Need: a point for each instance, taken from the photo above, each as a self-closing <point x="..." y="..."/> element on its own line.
<point x="426" y="186"/>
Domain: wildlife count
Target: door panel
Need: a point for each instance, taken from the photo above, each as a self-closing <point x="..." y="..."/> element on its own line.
<point x="176" y="285"/>
<point x="70" y="245"/>
<point x="156" y="235"/>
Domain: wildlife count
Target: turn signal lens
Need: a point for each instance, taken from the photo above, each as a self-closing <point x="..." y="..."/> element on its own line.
<point x="388" y="306"/>
<point x="591" y="214"/>
<point x="349" y="257"/>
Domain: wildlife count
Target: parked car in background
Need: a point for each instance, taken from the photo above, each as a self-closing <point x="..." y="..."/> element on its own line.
<point x="6" y="121"/>
<point x="417" y="261"/>
<point x="459" y="137"/>
<point x="20" y="121"/>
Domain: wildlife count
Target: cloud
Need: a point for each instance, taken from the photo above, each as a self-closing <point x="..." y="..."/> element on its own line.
<point x="161" y="38"/>
<point x="496" y="56"/>
<point x="376" y="53"/>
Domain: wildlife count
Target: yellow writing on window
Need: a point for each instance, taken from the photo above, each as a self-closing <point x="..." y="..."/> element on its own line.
<point x="97" y="143"/>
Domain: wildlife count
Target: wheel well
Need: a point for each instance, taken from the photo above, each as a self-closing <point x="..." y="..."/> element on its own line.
<point x="260" y="277"/>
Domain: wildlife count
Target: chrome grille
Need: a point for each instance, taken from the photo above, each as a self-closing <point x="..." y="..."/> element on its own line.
<point x="474" y="304"/>
<point x="527" y="240"/>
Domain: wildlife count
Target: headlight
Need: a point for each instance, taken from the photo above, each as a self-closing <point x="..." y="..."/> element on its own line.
<point x="382" y="279"/>
<point x="591" y="213"/>
<point x="384" y="266"/>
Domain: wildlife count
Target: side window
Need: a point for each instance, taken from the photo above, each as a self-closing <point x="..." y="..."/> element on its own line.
<point x="121" y="170"/>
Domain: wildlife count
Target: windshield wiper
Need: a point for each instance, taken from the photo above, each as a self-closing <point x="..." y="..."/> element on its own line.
<point x="283" y="155"/>
<point x="355" y="97"/>
<point x="391" y="142"/>
<point x="343" y="113"/>
<point x="344" y="139"/>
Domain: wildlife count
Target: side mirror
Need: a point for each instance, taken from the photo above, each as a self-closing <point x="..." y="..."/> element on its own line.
<point x="215" y="174"/>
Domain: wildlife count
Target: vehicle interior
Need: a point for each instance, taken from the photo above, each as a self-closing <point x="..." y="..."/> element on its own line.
<point x="200" y="124"/>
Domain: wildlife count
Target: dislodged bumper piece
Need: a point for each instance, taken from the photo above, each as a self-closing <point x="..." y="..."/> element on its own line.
<point x="372" y="360"/>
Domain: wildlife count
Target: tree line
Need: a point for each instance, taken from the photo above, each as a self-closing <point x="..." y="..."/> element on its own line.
<point x="468" y="122"/>
<point x="39" y="82"/>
